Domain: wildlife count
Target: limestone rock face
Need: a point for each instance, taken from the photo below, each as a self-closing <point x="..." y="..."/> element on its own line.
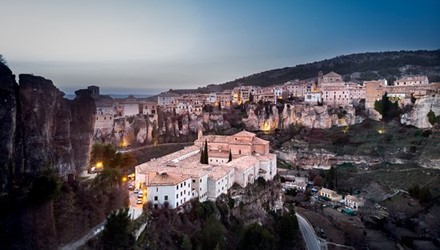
<point x="41" y="129"/>
<point x="325" y="117"/>
<point x="185" y="125"/>
<point x="252" y="122"/>
<point x="417" y="117"/>
<point x="374" y="114"/>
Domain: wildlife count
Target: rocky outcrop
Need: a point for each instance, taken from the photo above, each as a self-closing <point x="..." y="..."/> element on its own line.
<point x="302" y="156"/>
<point x="323" y="117"/>
<point x="417" y="117"/>
<point x="8" y="123"/>
<point x="40" y="129"/>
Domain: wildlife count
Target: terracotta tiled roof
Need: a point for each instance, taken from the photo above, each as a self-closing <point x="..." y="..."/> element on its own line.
<point x="167" y="179"/>
<point x="168" y="94"/>
<point x="332" y="74"/>
<point x="245" y="133"/>
<point x="257" y="140"/>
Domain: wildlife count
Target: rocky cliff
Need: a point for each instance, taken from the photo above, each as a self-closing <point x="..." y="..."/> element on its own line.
<point x="417" y="117"/>
<point x="323" y="117"/>
<point x="40" y="129"/>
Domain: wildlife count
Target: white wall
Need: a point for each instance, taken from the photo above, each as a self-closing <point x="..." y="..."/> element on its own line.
<point x="199" y="188"/>
<point x="131" y="109"/>
<point x="177" y="195"/>
<point x="217" y="160"/>
<point x="217" y="187"/>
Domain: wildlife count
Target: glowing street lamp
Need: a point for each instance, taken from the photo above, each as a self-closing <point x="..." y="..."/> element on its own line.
<point x="124" y="179"/>
<point x="99" y="165"/>
<point x="381" y="131"/>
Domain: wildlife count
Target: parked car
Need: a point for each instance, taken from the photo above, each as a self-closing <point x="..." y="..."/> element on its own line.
<point x="140" y="195"/>
<point x="137" y="190"/>
<point x="139" y="201"/>
<point x="131" y="187"/>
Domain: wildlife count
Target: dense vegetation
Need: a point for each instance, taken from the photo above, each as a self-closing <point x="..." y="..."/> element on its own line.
<point x="388" y="109"/>
<point x="224" y="224"/>
<point x="370" y="66"/>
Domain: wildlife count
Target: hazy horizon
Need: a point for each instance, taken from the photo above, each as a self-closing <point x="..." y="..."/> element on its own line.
<point x="141" y="45"/>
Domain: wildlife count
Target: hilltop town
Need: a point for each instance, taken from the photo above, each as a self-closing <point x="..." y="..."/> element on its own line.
<point x="325" y="92"/>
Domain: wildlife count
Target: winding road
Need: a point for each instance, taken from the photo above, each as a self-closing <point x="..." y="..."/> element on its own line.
<point x="309" y="235"/>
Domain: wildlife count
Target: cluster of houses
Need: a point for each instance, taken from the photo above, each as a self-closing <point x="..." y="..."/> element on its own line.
<point x="174" y="179"/>
<point x="329" y="89"/>
<point x="302" y="183"/>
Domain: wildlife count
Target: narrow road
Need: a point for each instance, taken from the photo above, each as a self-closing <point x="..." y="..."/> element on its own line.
<point x="309" y="235"/>
<point x="78" y="243"/>
<point x="154" y="146"/>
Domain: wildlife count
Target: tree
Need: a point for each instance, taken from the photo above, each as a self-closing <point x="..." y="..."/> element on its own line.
<point x="389" y="110"/>
<point x="212" y="233"/>
<point x="432" y="118"/>
<point x="251" y="98"/>
<point x="256" y="237"/>
<point x="2" y="60"/>
<point x="128" y="160"/>
<point x="45" y="187"/>
<point x="206" y="157"/>
<point x="202" y="156"/>
<point x="413" y="98"/>
<point x="186" y="243"/>
<point x="317" y="180"/>
<point x="288" y="228"/>
<point x="107" y="178"/>
<point x="332" y="178"/>
<point x="116" y="234"/>
<point x="230" y="156"/>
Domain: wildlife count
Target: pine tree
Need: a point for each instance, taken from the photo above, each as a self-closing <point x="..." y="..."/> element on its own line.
<point x="205" y="151"/>
<point x="202" y="156"/>
<point x="116" y="234"/>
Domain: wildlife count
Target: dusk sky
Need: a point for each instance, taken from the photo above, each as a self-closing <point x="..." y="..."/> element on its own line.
<point x="146" y="46"/>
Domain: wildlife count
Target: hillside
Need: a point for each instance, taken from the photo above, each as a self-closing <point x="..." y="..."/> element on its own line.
<point x="355" y="67"/>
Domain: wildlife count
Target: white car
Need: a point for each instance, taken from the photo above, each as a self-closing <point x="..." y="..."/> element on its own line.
<point x="140" y="195"/>
<point x="139" y="201"/>
<point x="137" y="190"/>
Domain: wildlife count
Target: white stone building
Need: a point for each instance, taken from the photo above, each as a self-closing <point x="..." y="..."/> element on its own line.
<point x="174" y="189"/>
<point x="313" y="97"/>
<point x="167" y="98"/>
<point x="411" y="81"/>
<point x="354" y="202"/>
<point x="129" y="106"/>
<point x="330" y="194"/>
<point x="250" y="160"/>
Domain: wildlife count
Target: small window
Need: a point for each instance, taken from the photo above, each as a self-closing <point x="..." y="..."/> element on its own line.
<point x="177" y="195"/>
<point x="155" y="198"/>
<point x="166" y="197"/>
